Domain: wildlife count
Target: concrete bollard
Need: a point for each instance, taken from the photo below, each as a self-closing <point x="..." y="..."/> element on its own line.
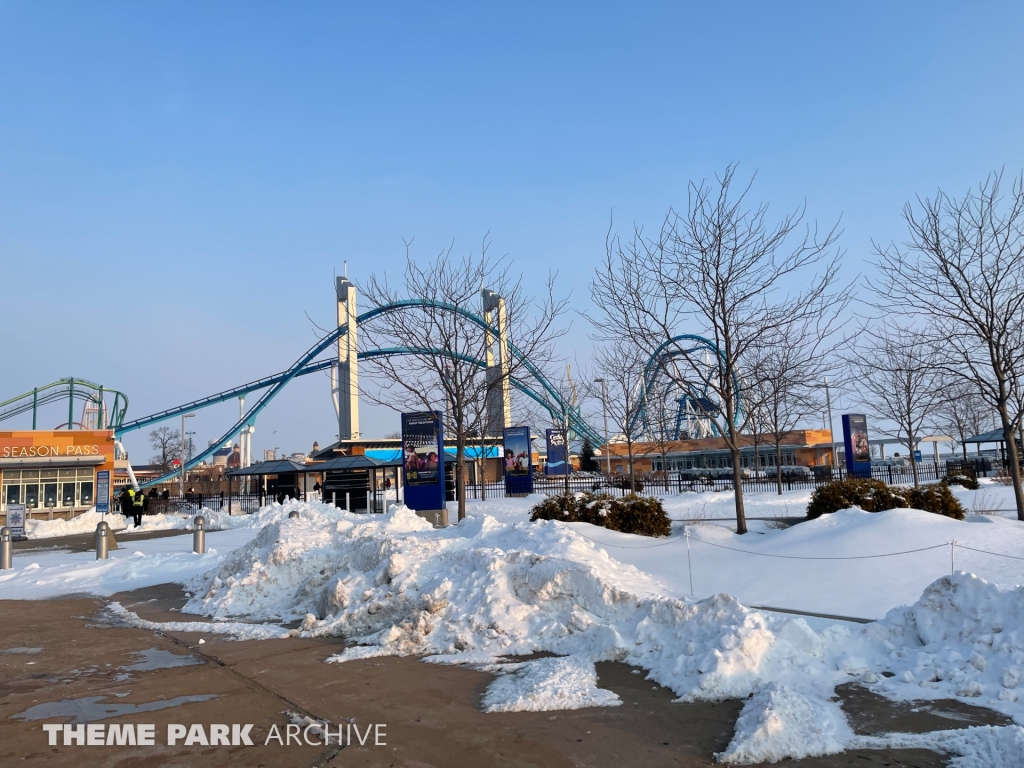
<point x="5" y="549"/>
<point x="101" y="540"/>
<point x="199" y="535"/>
<point x="294" y="513"/>
<point x="348" y="501"/>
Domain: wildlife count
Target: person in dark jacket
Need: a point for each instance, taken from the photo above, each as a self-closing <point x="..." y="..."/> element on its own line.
<point x="125" y="500"/>
<point x="138" y="507"/>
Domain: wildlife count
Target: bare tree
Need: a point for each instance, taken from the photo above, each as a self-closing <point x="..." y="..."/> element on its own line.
<point x="896" y="370"/>
<point x="963" y="412"/>
<point x="447" y="347"/>
<point x="166" y="445"/>
<point x="962" y="270"/>
<point x="789" y="369"/>
<point x="621" y="365"/>
<point x="721" y="269"/>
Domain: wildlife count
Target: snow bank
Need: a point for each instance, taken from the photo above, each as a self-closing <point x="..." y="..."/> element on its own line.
<point x="542" y="685"/>
<point x="485" y="589"/>
<point x="84" y="523"/>
<point x="778" y="723"/>
<point x="977" y="747"/>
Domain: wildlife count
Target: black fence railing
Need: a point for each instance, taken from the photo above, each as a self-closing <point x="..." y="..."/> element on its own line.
<point x="650" y="484"/>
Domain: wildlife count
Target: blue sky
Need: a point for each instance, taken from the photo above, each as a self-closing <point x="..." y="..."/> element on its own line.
<point x="179" y="181"/>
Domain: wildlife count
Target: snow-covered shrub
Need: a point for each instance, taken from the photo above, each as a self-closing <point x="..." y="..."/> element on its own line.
<point x="935" y="498"/>
<point x="968" y="482"/>
<point x="628" y="514"/>
<point x="876" y="496"/>
<point x="869" y="495"/>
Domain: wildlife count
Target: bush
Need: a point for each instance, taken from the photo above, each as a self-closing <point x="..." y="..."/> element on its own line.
<point x="968" y="482"/>
<point x="628" y="514"/>
<point x="876" y="496"/>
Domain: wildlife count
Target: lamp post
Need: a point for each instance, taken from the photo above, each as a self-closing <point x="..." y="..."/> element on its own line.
<point x="604" y="408"/>
<point x="831" y="432"/>
<point x="182" y="480"/>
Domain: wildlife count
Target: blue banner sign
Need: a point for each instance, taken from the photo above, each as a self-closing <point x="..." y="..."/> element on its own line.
<point x="423" y="460"/>
<point x="516" y="461"/>
<point x="855" y="441"/>
<point x="558" y="453"/>
<point x="103" y="491"/>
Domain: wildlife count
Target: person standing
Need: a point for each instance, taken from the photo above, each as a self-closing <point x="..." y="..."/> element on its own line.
<point x="125" y="500"/>
<point x="138" y="507"/>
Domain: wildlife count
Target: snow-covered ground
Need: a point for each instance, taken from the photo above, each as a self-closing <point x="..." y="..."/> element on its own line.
<point x="497" y="586"/>
<point x="87" y="522"/>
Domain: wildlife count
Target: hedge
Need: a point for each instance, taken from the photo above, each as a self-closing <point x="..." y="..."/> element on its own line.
<point x="629" y="514"/>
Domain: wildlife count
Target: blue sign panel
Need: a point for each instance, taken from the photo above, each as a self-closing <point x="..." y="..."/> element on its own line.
<point x="423" y="461"/>
<point x="103" y="491"/>
<point x="516" y="461"/>
<point x="558" y="453"/>
<point x="917" y="456"/>
<point x="855" y="441"/>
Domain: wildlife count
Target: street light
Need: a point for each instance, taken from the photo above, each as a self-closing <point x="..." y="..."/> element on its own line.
<point x="182" y="479"/>
<point x="604" y="408"/>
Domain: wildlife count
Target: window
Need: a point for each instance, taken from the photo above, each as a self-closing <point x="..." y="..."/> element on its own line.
<point x="63" y="488"/>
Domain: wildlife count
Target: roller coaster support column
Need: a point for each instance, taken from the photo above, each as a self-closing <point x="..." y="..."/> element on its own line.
<point x="348" y="364"/>
<point x="499" y="397"/>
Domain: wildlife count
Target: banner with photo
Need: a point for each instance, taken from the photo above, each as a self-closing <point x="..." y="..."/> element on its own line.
<point x="857" y="447"/>
<point x="558" y="453"/>
<point x="517" y="461"/>
<point x="423" y="459"/>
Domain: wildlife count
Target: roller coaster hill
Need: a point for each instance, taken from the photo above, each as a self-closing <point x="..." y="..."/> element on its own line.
<point x="337" y="353"/>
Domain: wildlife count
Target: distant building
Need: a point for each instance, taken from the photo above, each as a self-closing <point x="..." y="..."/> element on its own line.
<point x="800" y="447"/>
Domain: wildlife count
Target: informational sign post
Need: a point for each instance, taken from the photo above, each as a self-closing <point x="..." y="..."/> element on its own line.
<point x="16" y="521"/>
<point x="423" y="465"/>
<point x="558" y="453"/>
<point x="855" y="440"/>
<point x="516" y="461"/>
<point x="103" y="491"/>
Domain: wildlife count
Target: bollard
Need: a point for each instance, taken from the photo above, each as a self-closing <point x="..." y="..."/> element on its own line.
<point x="101" y="540"/>
<point x="348" y="501"/>
<point x="5" y="549"/>
<point x="293" y="513"/>
<point x="199" y="535"/>
<point x="334" y="498"/>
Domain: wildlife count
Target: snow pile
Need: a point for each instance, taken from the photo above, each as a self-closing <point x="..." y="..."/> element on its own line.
<point x="978" y="747"/>
<point x="485" y="589"/>
<point x="778" y="722"/>
<point x="117" y="615"/>
<point x="541" y="685"/>
<point x="84" y="523"/>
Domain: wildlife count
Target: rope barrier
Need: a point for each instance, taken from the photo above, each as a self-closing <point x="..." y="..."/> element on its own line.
<point x="798" y="557"/>
<point x="985" y="551"/>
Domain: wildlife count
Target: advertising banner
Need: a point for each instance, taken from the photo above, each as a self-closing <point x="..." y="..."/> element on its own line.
<point x="516" y="462"/>
<point x="423" y="464"/>
<point x="16" y="521"/>
<point x="855" y="440"/>
<point x="103" y="491"/>
<point x="424" y="456"/>
<point x="558" y="453"/>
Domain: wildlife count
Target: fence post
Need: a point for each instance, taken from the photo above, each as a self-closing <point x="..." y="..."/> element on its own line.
<point x="689" y="567"/>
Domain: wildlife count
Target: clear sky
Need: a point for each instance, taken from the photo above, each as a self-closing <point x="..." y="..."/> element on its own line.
<point x="180" y="180"/>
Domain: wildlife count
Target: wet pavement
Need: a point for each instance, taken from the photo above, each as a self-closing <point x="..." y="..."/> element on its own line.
<point x="59" y="665"/>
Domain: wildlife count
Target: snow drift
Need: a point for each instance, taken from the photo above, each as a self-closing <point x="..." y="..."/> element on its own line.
<point x="484" y="589"/>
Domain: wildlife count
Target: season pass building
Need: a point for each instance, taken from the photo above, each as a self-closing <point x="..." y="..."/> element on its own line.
<point x="53" y="471"/>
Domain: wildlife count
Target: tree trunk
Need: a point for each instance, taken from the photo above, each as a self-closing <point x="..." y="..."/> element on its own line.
<point x="460" y="476"/>
<point x="913" y="458"/>
<point x="737" y="481"/>
<point x="778" y="462"/>
<point x="1012" y="460"/>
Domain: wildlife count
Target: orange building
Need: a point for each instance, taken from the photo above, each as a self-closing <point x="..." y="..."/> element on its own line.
<point x="53" y="472"/>
<point x="800" y="447"/>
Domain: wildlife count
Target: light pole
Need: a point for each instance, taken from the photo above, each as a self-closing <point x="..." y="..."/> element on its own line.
<point x="831" y="431"/>
<point x="604" y="408"/>
<point x="182" y="480"/>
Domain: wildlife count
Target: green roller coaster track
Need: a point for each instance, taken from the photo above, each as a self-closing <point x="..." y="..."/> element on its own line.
<point x="111" y="416"/>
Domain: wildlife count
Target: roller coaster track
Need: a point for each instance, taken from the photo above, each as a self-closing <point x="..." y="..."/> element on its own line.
<point x="549" y="398"/>
<point x="72" y="389"/>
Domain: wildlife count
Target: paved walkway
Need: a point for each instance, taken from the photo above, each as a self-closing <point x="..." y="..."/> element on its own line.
<point x="87" y="541"/>
<point x="54" y="651"/>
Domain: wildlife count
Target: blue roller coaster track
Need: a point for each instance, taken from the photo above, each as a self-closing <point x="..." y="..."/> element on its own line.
<point x="693" y="397"/>
<point x="549" y="397"/>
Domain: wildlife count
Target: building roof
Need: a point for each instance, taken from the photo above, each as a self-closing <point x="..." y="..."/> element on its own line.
<point x="341" y="463"/>
<point x="277" y="467"/>
<point x="995" y="436"/>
